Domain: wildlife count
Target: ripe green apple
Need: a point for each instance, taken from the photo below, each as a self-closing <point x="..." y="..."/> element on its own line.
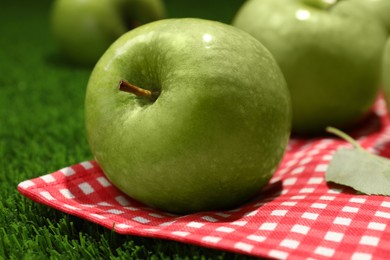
<point x="386" y="74"/>
<point x="188" y="115"/>
<point x="379" y="8"/>
<point x="330" y="54"/>
<point x="84" y="29"/>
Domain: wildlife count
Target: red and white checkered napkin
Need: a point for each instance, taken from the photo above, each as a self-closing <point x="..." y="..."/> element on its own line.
<point x="298" y="216"/>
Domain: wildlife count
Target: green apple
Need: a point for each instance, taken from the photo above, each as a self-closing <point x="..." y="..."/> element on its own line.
<point x="379" y="8"/>
<point x="188" y="115"/>
<point x="84" y="29"/>
<point x="386" y="74"/>
<point x="329" y="52"/>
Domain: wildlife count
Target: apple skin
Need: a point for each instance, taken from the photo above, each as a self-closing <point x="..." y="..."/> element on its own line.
<point x="386" y="75"/>
<point x="330" y="58"/>
<point x="216" y="133"/>
<point x="84" y="29"/>
<point x="379" y="8"/>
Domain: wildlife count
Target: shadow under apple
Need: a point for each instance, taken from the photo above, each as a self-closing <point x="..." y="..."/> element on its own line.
<point x="60" y="60"/>
<point x="370" y="124"/>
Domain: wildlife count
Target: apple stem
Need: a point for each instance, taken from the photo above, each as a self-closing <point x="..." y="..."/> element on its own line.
<point x="321" y="4"/>
<point x="130" y="88"/>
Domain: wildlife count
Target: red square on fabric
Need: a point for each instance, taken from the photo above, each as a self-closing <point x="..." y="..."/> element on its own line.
<point x="297" y="216"/>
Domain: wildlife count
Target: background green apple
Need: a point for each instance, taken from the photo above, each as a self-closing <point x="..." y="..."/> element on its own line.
<point x="215" y="134"/>
<point x="386" y="74"/>
<point x="84" y="29"/>
<point x="379" y="8"/>
<point x="330" y="56"/>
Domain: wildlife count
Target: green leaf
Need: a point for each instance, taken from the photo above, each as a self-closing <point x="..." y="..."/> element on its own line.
<point x="359" y="169"/>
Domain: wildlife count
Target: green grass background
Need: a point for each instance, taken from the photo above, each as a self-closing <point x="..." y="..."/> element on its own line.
<point x="42" y="130"/>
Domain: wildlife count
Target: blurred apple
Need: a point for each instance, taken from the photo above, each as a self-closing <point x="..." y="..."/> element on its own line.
<point x="329" y="51"/>
<point x="84" y="29"/>
<point x="386" y="74"/>
<point x="379" y="8"/>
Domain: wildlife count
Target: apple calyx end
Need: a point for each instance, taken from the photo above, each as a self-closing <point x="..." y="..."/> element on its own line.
<point x="125" y="86"/>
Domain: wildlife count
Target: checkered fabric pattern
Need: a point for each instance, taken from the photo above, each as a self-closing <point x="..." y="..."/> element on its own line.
<point x="297" y="216"/>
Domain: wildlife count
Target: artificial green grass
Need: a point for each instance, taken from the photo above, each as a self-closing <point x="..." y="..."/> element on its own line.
<point x="42" y="130"/>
